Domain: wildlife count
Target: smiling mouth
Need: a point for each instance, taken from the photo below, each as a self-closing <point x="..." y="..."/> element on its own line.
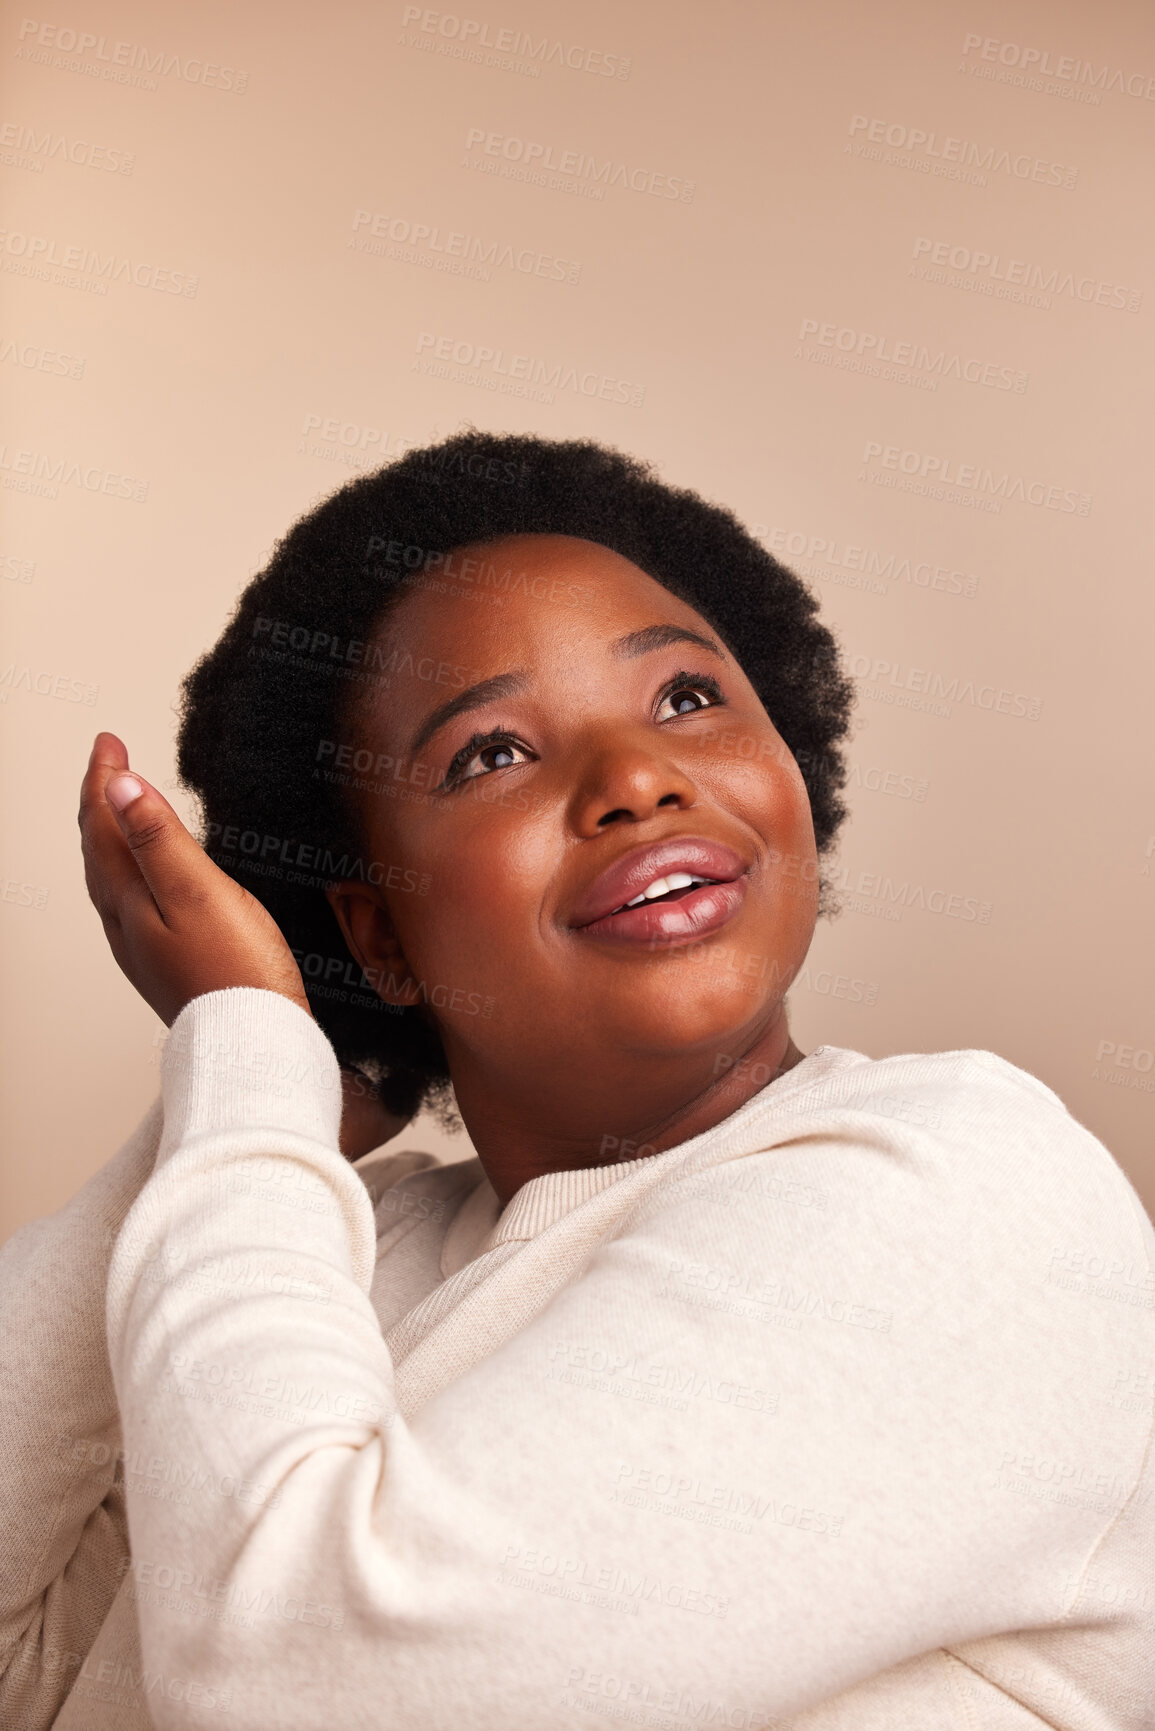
<point x="671" y="888"/>
<point x="677" y="909"/>
<point x="666" y="892"/>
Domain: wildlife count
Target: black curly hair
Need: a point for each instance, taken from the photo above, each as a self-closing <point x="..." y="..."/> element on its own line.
<point x="288" y="668"/>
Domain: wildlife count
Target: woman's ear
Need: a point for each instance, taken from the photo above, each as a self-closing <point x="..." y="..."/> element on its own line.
<point x="367" y="927"/>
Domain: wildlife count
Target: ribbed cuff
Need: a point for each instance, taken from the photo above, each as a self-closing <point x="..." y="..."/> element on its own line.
<point x="244" y="1057"/>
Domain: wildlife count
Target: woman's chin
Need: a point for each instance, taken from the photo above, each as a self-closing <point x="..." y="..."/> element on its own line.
<point x="677" y="1024"/>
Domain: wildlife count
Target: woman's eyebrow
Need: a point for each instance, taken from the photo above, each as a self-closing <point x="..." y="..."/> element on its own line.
<point x="501" y="685"/>
<point x="634" y="643"/>
<point x="653" y="637"/>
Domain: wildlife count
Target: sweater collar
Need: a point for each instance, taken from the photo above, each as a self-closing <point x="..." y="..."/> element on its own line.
<point x="481" y="1224"/>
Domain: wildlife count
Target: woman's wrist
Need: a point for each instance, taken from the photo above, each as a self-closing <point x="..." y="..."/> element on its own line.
<point x="242" y="1056"/>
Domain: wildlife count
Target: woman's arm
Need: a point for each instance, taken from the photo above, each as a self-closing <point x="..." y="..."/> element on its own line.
<point x="63" y="1524"/>
<point x="62" y="1462"/>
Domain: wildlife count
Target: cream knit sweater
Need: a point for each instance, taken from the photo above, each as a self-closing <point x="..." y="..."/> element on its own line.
<point x="836" y="1417"/>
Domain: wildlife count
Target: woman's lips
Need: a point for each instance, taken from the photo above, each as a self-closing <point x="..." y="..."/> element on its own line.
<point x="639" y="869"/>
<point x="694" y="914"/>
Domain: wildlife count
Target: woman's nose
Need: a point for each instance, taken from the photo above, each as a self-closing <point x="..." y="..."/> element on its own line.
<point x="626" y="783"/>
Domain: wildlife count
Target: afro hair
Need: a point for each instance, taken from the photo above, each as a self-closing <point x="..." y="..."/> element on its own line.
<point x="255" y="706"/>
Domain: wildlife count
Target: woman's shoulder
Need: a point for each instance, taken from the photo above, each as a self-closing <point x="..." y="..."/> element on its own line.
<point x="951" y="1184"/>
<point x="960" y="1135"/>
<point x="969" y="1093"/>
<point x="834" y="1073"/>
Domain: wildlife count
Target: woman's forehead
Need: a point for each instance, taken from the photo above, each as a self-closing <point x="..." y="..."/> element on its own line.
<point x="550" y="612"/>
<point x="541" y="589"/>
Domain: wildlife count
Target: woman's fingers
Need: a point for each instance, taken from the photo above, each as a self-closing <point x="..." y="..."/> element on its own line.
<point x="110" y="871"/>
<point x="170" y="861"/>
<point x="177" y="925"/>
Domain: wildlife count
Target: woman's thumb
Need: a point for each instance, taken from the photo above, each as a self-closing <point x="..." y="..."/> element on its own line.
<point x="171" y="863"/>
<point x="121" y="789"/>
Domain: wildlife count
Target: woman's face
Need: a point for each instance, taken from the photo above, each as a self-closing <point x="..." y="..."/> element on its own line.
<point x="559" y="735"/>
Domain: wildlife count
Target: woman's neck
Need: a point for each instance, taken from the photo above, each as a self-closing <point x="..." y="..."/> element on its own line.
<point x="524" y="1132"/>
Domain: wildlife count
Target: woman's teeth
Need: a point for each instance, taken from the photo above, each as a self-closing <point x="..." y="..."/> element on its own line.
<point x="662" y="887"/>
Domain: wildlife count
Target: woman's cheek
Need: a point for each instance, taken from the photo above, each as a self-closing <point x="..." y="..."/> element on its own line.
<point x="771" y="796"/>
<point x="776" y="806"/>
<point x="795" y="875"/>
<point x="480" y="906"/>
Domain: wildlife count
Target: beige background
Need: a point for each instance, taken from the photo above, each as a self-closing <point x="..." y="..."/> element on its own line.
<point x="236" y="145"/>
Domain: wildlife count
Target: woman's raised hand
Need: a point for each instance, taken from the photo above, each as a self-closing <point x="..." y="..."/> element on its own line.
<point x="177" y="925"/>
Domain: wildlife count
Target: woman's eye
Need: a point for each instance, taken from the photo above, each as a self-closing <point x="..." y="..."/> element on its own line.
<point x="496" y="756"/>
<point x="688" y="695"/>
<point x="483" y="754"/>
<point x="685" y="701"/>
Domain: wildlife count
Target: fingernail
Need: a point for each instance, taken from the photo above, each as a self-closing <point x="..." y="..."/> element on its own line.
<point x="122" y="789"/>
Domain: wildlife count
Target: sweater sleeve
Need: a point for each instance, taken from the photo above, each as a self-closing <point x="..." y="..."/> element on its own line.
<point x="63" y="1516"/>
<point x="749" y="1504"/>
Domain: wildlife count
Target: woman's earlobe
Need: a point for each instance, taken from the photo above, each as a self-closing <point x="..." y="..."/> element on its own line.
<point x="368" y="930"/>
